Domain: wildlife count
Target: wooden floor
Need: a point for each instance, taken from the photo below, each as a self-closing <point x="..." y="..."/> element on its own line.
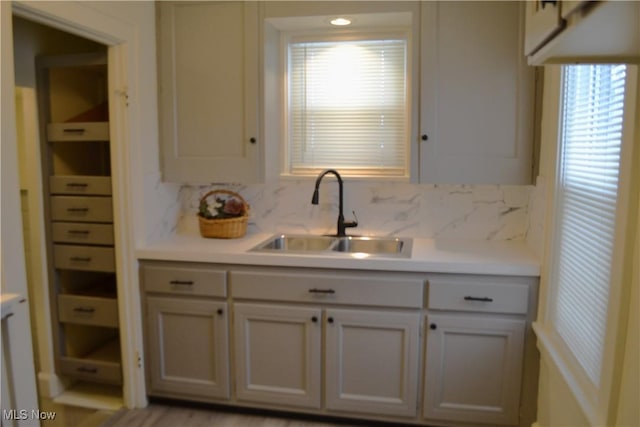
<point x="157" y="415"/>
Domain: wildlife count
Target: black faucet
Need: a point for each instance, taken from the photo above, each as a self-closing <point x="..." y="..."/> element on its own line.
<point x="342" y="225"/>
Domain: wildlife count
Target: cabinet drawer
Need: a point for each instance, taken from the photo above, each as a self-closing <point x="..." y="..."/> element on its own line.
<point x="101" y="365"/>
<point x="88" y="310"/>
<point x="70" y="184"/>
<point x="172" y="279"/>
<point x="474" y="294"/>
<point x="83" y="131"/>
<point x="90" y="258"/>
<point x="82" y="209"/>
<point x="92" y="234"/>
<point x="358" y="289"/>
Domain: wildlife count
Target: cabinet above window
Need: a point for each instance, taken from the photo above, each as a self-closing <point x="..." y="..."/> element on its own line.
<point x="565" y="31"/>
<point x="227" y="115"/>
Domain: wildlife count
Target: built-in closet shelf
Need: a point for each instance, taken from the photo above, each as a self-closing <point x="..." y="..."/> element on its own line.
<point x="81" y="209"/>
<point x="85" y="233"/>
<point x="80" y="184"/>
<point x="81" y="131"/>
<point x="87" y="258"/>
<point x="76" y="147"/>
<point x="88" y="310"/>
<point x="100" y="365"/>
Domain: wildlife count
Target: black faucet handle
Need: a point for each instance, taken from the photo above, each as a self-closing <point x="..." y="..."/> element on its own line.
<point x="354" y="223"/>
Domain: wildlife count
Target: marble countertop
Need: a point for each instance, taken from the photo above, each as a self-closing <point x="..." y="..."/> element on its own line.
<point x="428" y="255"/>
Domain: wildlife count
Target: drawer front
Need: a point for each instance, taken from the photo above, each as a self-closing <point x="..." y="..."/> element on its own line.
<point x="88" y="310"/>
<point x="378" y="290"/>
<point x="81" y="209"/>
<point x="466" y="295"/>
<point x="90" y="258"/>
<point x="91" y="370"/>
<point x="84" y="233"/>
<point x="69" y="184"/>
<point x="178" y="280"/>
<point x="86" y="131"/>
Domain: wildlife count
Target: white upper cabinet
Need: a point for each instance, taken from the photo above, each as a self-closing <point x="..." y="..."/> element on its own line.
<point x="578" y="31"/>
<point x="543" y="21"/>
<point x="208" y="91"/>
<point x="476" y="100"/>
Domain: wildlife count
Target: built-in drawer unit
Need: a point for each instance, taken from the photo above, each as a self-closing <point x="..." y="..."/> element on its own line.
<point x="100" y="365"/>
<point x="82" y="131"/>
<point x="79" y="184"/>
<point x="81" y="209"/>
<point x="180" y="279"/>
<point x="83" y="233"/>
<point x="90" y="258"/>
<point x="488" y="294"/>
<point x="87" y="310"/>
<point x="380" y="289"/>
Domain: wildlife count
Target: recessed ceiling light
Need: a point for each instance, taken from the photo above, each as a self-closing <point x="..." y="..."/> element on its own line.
<point x="340" y="21"/>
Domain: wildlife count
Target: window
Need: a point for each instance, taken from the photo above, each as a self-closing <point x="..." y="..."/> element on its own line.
<point x="347" y="105"/>
<point x="587" y="204"/>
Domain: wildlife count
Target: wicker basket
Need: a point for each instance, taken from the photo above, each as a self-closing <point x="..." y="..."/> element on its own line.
<point x="227" y="228"/>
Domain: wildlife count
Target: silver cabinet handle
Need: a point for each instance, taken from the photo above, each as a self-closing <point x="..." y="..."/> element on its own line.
<point x="483" y="299"/>
<point x="181" y="282"/>
<point x="321" y="291"/>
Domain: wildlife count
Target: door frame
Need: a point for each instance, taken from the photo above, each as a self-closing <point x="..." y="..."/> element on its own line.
<point x="122" y="39"/>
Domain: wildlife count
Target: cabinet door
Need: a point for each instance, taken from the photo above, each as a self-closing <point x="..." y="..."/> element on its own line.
<point x="208" y="76"/>
<point x="277" y="352"/>
<point x="543" y="21"/>
<point x="473" y="369"/>
<point x="188" y="348"/>
<point x="372" y="361"/>
<point x="476" y="94"/>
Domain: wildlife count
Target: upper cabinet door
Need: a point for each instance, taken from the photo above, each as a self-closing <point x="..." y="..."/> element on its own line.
<point x="208" y="86"/>
<point x="543" y="21"/>
<point x="476" y="106"/>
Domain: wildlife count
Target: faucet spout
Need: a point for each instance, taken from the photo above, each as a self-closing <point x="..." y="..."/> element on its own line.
<point x="341" y="225"/>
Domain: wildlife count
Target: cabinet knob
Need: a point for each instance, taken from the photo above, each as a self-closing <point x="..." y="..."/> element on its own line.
<point x="220" y="311"/>
<point x="330" y="319"/>
<point x="252" y="140"/>
<point x="314" y="319"/>
<point x="424" y="137"/>
<point x="433" y="326"/>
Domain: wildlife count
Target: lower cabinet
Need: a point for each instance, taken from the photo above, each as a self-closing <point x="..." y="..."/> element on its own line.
<point x="344" y="343"/>
<point x="473" y="368"/>
<point x="278" y="354"/>
<point x="371" y="358"/>
<point x="188" y="347"/>
<point x="372" y="361"/>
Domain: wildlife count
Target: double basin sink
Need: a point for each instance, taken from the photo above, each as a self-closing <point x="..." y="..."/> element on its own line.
<point x="356" y="246"/>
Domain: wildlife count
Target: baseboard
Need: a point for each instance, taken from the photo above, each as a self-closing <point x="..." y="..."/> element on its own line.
<point x="50" y="385"/>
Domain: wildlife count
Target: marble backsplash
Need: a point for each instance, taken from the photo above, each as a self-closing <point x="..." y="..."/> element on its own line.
<point x="488" y="212"/>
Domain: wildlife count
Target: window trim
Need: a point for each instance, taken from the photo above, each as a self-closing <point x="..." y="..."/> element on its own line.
<point x="598" y="404"/>
<point x="405" y="33"/>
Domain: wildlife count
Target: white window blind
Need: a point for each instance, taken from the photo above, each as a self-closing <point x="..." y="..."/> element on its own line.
<point x="347" y="106"/>
<point x="592" y="114"/>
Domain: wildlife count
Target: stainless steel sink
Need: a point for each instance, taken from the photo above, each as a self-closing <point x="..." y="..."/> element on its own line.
<point x="358" y="247"/>
<point x="370" y="245"/>
<point x="303" y="243"/>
